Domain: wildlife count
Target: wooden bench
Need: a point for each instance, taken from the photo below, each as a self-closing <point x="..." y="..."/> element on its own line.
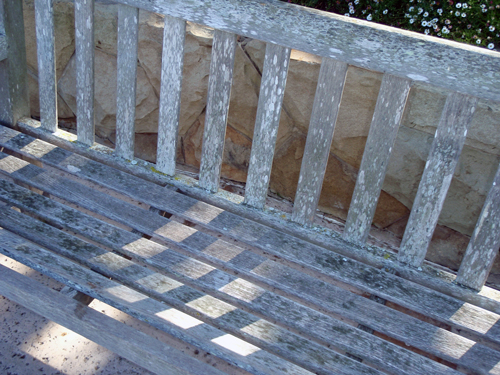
<point x="236" y="288"/>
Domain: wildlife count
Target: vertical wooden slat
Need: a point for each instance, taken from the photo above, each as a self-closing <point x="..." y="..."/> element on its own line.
<point x="484" y="243"/>
<point x="15" y="67"/>
<point x="170" y="93"/>
<point x="84" y="45"/>
<point x="384" y="128"/>
<point x="438" y="173"/>
<point x="319" y="139"/>
<point x="272" y="90"/>
<point x="128" y="21"/>
<point x="44" y="19"/>
<point x="219" y="93"/>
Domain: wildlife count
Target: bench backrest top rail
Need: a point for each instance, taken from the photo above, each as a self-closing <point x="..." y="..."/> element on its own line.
<point x="450" y="65"/>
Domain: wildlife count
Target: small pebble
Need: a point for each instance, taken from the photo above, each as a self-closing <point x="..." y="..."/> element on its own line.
<point x="133" y="162"/>
<point x="224" y="228"/>
<point x="419" y="268"/>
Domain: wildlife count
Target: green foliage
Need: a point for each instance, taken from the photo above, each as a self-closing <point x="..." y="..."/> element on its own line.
<point x="474" y="21"/>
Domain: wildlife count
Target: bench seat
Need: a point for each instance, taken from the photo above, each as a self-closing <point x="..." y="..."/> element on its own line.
<point x="258" y="299"/>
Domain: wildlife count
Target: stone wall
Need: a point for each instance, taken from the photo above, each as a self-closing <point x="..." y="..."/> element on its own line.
<point x="473" y="176"/>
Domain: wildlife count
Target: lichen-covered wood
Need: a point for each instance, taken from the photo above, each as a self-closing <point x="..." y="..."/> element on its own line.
<point x="44" y="17"/>
<point x="447" y="64"/>
<point x="436" y="179"/>
<point x="319" y="139"/>
<point x="172" y="60"/>
<point x="128" y="27"/>
<point x="272" y="90"/>
<point x="484" y="243"/>
<point x="219" y="93"/>
<point x="84" y="51"/>
<point x="383" y="130"/>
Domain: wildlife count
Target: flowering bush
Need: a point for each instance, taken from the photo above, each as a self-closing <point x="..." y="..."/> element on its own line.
<point x="473" y="21"/>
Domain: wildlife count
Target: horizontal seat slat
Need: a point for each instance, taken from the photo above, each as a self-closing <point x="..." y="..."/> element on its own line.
<point x="118" y="337"/>
<point x="319" y="139"/>
<point x="272" y="91"/>
<point x="173" y="293"/>
<point x="436" y="179"/>
<point x="219" y="93"/>
<point x="484" y="243"/>
<point x="469" y="319"/>
<point x="126" y="69"/>
<point x="84" y="52"/>
<point x="229" y="288"/>
<point x="383" y="131"/>
<point x="174" y="34"/>
<point x="44" y="19"/>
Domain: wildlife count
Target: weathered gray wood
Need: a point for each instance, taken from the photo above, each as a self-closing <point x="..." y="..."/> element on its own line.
<point x="357" y="42"/>
<point x="471" y="320"/>
<point x="236" y="321"/>
<point x="383" y="130"/>
<point x="137" y="304"/>
<point x="5" y="108"/>
<point x="172" y="61"/>
<point x="436" y="179"/>
<point x="301" y="318"/>
<point x="45" y="39"/>
<point x="18" y="105"/>
<point x="84" y="49"/>
<point x="484" y="243"/>
<point x="3" y="47"/>
<point x="272" y="90"/>
<point x="126" y="341"/>
<point x="126" y="69"/>
<point x="219" y="93"/>
<point x="430" y="276"/>
<point x="319" y="139"/>
<point x="400" y="326"/>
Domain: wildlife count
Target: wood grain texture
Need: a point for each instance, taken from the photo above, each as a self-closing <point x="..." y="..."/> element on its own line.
<point x="484" y="243"/>
<point x="272" y="90"/>
<point x="126" y="341"/>
<point x="319" y="139"/>
<point x="246" y="326"/>
<point x="172" y="61"/>
<point x="430" y="276"/>
<point x="3" y="47"/>
<point x="128" y="28"/>
<point x="84" y="50"/>
<point x="356" y="42"/>
<point x="383" y="130"/>
<point x="236" y="291"/>
<point x="467" y="318"/>
<point x="5" y="107"/>
<point x="16" y="61"/>
<point x="219" y="93"/>
<point x="47" y="80"/>
<point x="436" y="179"/>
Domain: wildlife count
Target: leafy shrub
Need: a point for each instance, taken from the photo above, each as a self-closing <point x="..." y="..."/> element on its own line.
<point x="473" y="21"/>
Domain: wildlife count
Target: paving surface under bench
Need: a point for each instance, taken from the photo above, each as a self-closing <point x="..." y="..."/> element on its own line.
<point x="261" y="300"/>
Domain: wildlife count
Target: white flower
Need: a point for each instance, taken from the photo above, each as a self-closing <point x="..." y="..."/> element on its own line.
<point x="464" y="5"/>
<point x="483" y="6"/>
<point x="369" y="17"/>
<point x="426" y="31"/>
<point x="491" y="46"/>
<point x="458" y="5"/>
<point x="492" y="28"/>
<point x="464" y="15"/>
<point x="351" y="10"/>
<point x="412" y="20"/>
<point x="435" y="26"/>
<point x="457" y="13"/>
<point x="426" y="14"/>
<point x="420" y="10"/>
<point x="356" y="2"/>
<point x="435" y="20"/>
<point x="347" y="14"/>
<point x="385" y="11"/>
<point x="478" y="41"/>
<point x="424" y="23"/>
<point x="445" y="30"/>
<point x="440" y="11"/>
<point x="411" y="9"/>
<point x="484" y="10"/>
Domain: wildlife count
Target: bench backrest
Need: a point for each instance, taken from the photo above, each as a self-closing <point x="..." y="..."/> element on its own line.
<point x="467" y="72"/>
